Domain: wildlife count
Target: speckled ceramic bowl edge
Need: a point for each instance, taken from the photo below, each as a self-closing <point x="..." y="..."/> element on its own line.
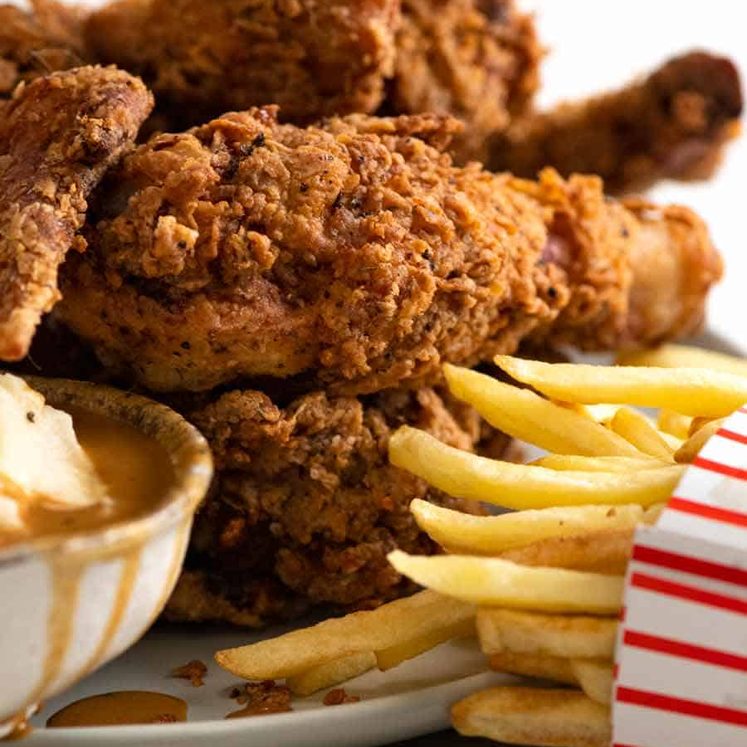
<point x="73" y="603"/>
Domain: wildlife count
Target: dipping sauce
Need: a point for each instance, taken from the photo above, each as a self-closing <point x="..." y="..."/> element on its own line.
<point x="135" y="469"/>
<point x="119" y="708"/>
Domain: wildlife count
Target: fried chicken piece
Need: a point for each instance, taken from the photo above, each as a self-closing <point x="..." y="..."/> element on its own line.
<point x="57" y="137"/>
<point x="356" y="255"/>
<point x="477" y="60"/>
<point x="673" y="124"/>
<point x="49" y="37"/>
<point x="305" y="505"/>
<point x="637" y="274"/>
<point x="312" y="57"/>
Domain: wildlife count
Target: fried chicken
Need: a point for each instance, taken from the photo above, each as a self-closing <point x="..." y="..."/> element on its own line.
<point x="476" y="59"/>
<point x="355" y="254"/>
<point x="305" y="505"/>
<point x="47" y="38"/>
<point x="673" y="124"/>
<point x="311" y="57"/>
<point x="58" y="135"/>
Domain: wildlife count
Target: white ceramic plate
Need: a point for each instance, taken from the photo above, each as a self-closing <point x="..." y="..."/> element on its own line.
<point x="410" y="700"/>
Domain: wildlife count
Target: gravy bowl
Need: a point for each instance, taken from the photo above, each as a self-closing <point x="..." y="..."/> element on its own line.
<point x="72" y="602"/>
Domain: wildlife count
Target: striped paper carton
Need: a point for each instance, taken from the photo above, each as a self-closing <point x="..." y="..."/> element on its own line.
<point x="681" y="675"/>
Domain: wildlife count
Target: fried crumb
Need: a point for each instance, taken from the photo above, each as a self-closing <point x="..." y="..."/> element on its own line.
<point x="194" y="671"/>
<point x="338" y="696"/>
<point x="260" y="698"/>
<point x="165" y="718"/>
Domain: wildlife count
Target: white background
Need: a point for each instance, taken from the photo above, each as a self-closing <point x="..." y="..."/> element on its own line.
<point x="597" y="44"/>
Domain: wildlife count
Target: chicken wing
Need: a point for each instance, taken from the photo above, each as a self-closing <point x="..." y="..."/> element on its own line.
<point x="355" y="254"/>
<point x="57" y="137"/>
<point x="673" y="124"/>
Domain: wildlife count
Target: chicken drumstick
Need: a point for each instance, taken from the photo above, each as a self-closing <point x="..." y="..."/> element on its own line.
<point x="355" y="253"/>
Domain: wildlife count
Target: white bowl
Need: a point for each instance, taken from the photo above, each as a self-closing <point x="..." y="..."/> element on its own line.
<point x="71" y="604"/>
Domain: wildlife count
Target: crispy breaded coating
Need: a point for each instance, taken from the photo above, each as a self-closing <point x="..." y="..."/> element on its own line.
<point x="312" y="57"/>
<point x="46" y="38"/>
<point x="305" y="505"/>
<point x="58" y="136"/>
<point x="477" y="60"/>
<point x="474" y="59"/>
<point x="673" y="124"/>
<point x="354" y="253"/>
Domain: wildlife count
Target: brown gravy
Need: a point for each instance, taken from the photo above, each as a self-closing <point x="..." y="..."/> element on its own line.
<point x="260" y="709"/>
<point x="135" y="468"/>
<point x="119" y="708"/>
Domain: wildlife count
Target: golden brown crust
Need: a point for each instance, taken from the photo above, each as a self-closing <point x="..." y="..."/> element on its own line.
<point x="312" y="57"/>
<point x="477" y="60"/>
<point x="674" y="124"/>
<point x="474" y="59"/>
<point x="305" y="505"/>
<point x="353" y="254"/>
<point x="32" y="43"/>
<point x="57" y="137"/>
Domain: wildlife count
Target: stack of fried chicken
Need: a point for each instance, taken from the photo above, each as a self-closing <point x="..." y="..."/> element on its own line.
<point x="292" y="271"/>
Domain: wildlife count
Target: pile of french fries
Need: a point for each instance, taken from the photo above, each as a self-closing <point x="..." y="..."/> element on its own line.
<point x="542" y="585"/>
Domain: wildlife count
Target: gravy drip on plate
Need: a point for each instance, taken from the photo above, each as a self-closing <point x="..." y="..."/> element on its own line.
<point x="119" y="708"/>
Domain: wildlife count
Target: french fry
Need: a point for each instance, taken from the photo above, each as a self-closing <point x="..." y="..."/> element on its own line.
<point x="520" y="486"/>
<point x="602" y="413"/>
<point x="565" y="636"/>
<point x="683" y="356"/>
<point x="525" y="415"/>
<point x="568" y="463"/>
<point x="331" y="673"/>
<point x="595" y="678"/>
<point x="652" y="513"/>
<point x="538" y="666"/>
<point x="698" y="423"/>
<point x="491" y="535"/>
<point x="391" y="657"/>
<point x="675" y="424"/>
<point x="371" y="630"/>
<point x="635" y="427"/>
<point x="671" y="441"/>
<point x="689" y="391"/>
<point x="604" y="551"/>
<point x="692" y="447"/>
<point x="534" y="716"/>
<point x="497" y="582"/>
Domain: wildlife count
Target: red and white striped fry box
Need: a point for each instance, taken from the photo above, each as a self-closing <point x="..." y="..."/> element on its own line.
<point x="681" y="675"/>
